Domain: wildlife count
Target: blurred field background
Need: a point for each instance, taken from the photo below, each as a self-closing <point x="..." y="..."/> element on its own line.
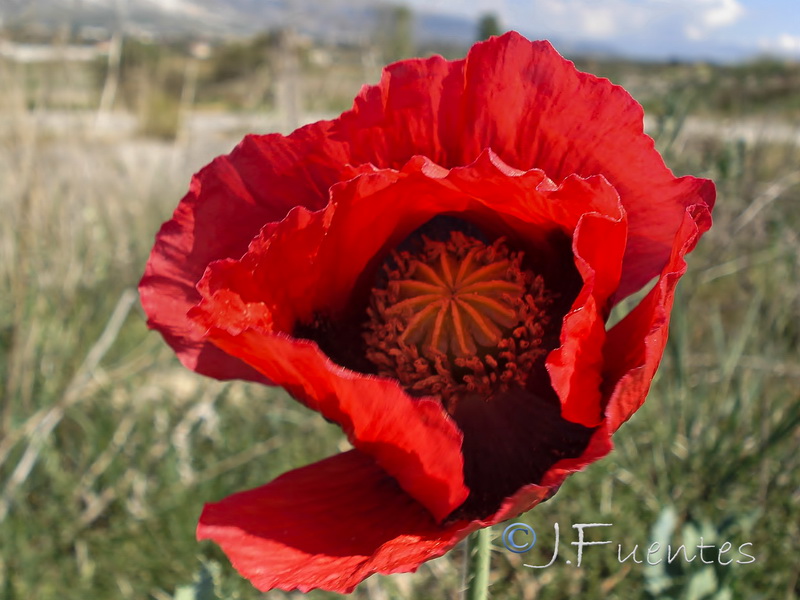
<point x="108" y="447"/>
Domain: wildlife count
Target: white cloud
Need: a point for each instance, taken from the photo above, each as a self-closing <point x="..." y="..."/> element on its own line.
<point x="789" y="43"/>
<point x="592" y="20"/>
<point x="695" y="19"/>
<point x="600" y="20"/>
<point x="719" y="13"/>
<point x="712" y="14"/>
<point x="786" y="44"/>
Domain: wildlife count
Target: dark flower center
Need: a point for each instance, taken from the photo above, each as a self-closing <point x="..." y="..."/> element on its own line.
<point x="455" y="315"/>
<point x="459" y="316"/>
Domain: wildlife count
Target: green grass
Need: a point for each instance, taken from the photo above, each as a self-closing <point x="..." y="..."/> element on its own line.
<point x="108" y="447"/>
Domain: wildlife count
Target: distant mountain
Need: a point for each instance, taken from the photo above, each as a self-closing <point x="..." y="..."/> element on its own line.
<point x="138" y="16"/>
<point x="328" y="20"/>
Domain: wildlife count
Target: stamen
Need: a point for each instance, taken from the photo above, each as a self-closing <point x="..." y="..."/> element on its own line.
<point x="461" y="316"/>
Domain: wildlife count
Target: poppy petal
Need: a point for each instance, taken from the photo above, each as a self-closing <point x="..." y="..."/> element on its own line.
<point x="227" y="203"/>
<point x="535" y="109"/>
<point x="373" y="213"/>
<point x="532" y="107"/>
<point x="635" y="345"/>
<point x="576" y="366"/>
<point x="328" y="525"/>
<point x="412" y="439"/>
<point x="405" y="115"/>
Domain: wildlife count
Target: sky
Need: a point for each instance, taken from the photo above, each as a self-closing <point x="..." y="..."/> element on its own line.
<point x="714" y="29"/>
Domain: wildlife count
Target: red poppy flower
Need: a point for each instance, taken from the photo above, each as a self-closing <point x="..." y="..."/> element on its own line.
<point x="433" y="271"/>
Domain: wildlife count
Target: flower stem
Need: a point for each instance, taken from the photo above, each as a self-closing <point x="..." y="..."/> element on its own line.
<point x="478" y="559"/>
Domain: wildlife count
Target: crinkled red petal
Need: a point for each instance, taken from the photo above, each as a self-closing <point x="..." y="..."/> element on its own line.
<point x="576" y="366"/>
<point x="635" y="345"/>
<point x="412" y="439"/>
<point x="375" y="212"/>
<point x="535" y="110"/>
<point x="334" y="523"/>
<point x="228" y="203"/>
<point x="328" y="525"/>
